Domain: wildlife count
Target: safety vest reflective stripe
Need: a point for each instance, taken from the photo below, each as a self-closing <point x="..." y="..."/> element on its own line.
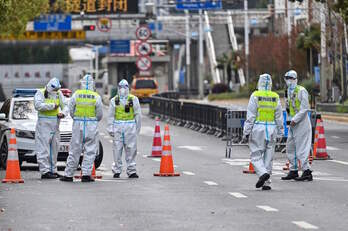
<point x="120" y="111"/>
<point x="267" y="104"/>
<point x="297" y="104"/>
<point x="50" y="113"/>
<point x="85" y="103"/>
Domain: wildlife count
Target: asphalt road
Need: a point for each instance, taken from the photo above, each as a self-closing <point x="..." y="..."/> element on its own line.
<point x="212" y="193"/>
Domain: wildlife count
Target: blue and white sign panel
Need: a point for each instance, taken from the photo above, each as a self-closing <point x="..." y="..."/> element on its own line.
<point x="198" y="5"/>
<point x="53" y="22"/>
<point x="120" y="46"/>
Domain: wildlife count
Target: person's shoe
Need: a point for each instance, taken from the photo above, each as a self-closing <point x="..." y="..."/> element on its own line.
<point x="48" y="175"/>
<point x="117" y="175"/>
<point x="306" y="175"/>
<point x="87" y="179"/>
<point x="291" y="175"/>
<point x="66" y="179"/>
<point x="266" y="187"/>
<point x="262" y="180"/>
<point x="133" y="175"/>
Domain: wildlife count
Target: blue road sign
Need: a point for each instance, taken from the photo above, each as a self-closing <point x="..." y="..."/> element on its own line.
<point x="152" y="26"/>
<point x="120" y="46"/>
<point x="198" y="5"/>
<point x="317" y="74"/>
<point x="53" y="22"/>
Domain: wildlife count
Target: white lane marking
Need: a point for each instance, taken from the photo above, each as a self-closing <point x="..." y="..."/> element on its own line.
<point x="157" y="160"/>
<point x="235" y="160"/>
<point x="329" y="148"/>
<point x="102" y="133"/>
<point x="237" y="195"/>
<point x="338" y="179"/>
<point x="211" y="183"/>
<point x="335" y="137"/>
<point x="339" y="162"/>
<point x="304" y="225"/>
<point x="267" y="208"/>
<point x="192" y="148"/>
<point x="188" y="173"/>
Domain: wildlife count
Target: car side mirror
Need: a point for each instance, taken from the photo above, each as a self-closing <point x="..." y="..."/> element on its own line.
<point x="3" y="116"/>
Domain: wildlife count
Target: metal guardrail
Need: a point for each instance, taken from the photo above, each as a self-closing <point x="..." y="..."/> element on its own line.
<point x="214" y="120"/>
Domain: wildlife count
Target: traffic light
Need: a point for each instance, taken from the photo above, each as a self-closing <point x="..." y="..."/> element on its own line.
<point x="89" y="27"/>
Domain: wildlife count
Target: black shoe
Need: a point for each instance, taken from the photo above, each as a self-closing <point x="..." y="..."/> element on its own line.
<point x="291" y="175"/>
<point x="133" y="175"/>
<point x="117" y="175"/>
<point x="66" y="179"/>
<point x="262" y="180"/>
<point x="48" y="175"/>
<point x="266" y="187"/>
<point x="306" y="175"/>
<point x="87" y="179"/>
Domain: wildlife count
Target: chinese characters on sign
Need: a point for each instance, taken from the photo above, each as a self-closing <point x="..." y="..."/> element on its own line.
<point x="101" y="6"/>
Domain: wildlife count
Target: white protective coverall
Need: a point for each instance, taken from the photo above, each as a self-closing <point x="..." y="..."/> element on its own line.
<point x="124" y="131"/>
<point x="47" y="127"/>
<point x="299" y="140"/>
<point x="85" y="134"/>
<point x="262" y="135"/>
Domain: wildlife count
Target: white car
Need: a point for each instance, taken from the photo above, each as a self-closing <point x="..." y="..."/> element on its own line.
<point x="18" y="112"/>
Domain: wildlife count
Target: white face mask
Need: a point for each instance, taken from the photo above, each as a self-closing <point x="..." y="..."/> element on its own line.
<point x="123" y="92"/>
<point x="291" y="83"/>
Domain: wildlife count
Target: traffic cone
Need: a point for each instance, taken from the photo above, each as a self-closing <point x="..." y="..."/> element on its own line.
<point x="13" y="172"/>
<point x="315" y="145"/>
<point x="286" y="167"/>
<point x="250" y="170"/>
<point x="93" y="175"/>
<point x="321" y="146"/>
<point x="167" y="167"/>
<point x="157" y="141"/>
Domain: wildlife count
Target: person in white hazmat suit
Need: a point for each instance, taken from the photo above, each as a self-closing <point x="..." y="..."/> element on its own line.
<point x="51" y="106"/>
<point x="299" y="140"/>
<point x="263" y="125"/>
<point x="86" y="109"/>
<point x="124" y="123"/>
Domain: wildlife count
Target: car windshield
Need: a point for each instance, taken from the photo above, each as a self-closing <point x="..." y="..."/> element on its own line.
<point x="24" y="110"/>
<point x="145" y="83"/>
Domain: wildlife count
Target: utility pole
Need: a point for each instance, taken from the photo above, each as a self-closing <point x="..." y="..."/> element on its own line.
<point x="96" y="61"/>
<point x="200" y="55"/>
<point x="289" y="30"/>
<point x="323" y="59"/>
<point x="188" y="56"/>
<point x="344" y="57"/>
<point x="246" y="41"/>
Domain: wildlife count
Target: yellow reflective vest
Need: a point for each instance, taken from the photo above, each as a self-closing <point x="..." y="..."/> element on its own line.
<point x="85" y="103"/>
<point x="53" y="112"/>
<point x="120" y="112"/>
<point x="267" y="104"/>
<point x="295" y="107"/>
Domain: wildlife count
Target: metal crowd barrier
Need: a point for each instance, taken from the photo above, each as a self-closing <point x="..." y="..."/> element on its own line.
<point x="214" y="120"/>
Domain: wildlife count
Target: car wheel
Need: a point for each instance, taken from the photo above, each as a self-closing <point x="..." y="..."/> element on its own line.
<point x="98" y="159"/>
<point x="3" y="154"/>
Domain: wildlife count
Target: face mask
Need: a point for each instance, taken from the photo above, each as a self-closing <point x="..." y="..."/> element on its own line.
<point x="123" y="92"/>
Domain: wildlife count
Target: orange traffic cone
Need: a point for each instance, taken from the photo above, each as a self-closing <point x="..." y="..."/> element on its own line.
<point x="157" y="141"/>
<point x="286" y="167"/>
<point x="167" y="167"/>
<point x="250" y="170"/>
<point x="13" y="172"/>
<point x="321" y="146"/>
<point x="315" y="145"/>
<point x="93" y="175"/>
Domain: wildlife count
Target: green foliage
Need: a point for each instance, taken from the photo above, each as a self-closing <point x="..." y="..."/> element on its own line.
<point x="29" y="55"/>
<point x="228" y="95"/>
<point x="309" y="84"/>
<point x="341" y="6"/>
<point x="14" y="14"/>
<point x="310" y="38"/>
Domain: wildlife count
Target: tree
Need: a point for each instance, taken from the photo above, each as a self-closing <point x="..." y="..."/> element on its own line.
<point x="309" y="40"/>
<point x="14" y="14"/>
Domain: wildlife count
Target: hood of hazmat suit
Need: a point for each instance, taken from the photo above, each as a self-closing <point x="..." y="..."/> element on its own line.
<point x="87" y="83"/>
<point x="291" y="80"/>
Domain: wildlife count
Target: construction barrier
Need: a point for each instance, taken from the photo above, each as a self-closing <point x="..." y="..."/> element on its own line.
<point x="214" y="120"/>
